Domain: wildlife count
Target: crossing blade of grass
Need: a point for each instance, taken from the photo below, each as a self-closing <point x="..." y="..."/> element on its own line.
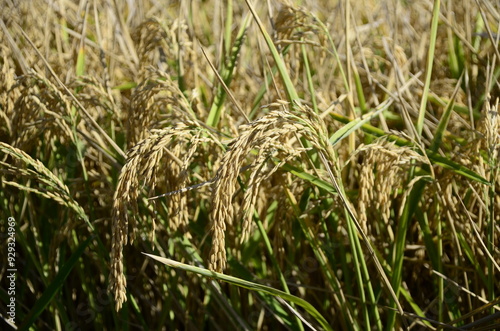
<point x="423" y="221"/>
<point x="335" y="53"/>
<point x="246" y="284"/>
<point x="486" y="323"/>
<point x="399" y="245"/>
<point x="472" y="257"/>
<point x="443" y="122"/>
<point x="409" y="209"/>
<point x="298" y="324"/>
<point x="54" y="286"/>
<point x="270" y="303"/>
<point x="257" y="101"/>
<point x="238" y="269"/>
<point x="363" y="277"/>
<point x="308" y="177"/>
<point x="90" y="119"/>
<point x="407" y="295"/>
<point x="310" y="83"/>
<point x="457" y="168"/>
<point x="436" y="158"/>
<point x="290" y="89"/>
<point x="191" y="253"/>
<point x="332" y="281"/>
<point x="351" y="217"/>
<point x="458" y="107"/>
<point x="430" y="62"/>
<point x="487" y="306"/>
<point x="357" y="257"/>
<point x="226" y="77"/>
<point x="481" y="241"/>
<point x="414" y="306"/>
<point x="355" y="124"/>
<point x="216" y="111"/>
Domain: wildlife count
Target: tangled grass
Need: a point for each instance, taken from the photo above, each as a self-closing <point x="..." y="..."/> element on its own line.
<point x="329" y="166"/>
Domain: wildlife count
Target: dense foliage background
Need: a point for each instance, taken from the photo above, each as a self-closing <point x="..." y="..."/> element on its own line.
<point x="338" y="159"/>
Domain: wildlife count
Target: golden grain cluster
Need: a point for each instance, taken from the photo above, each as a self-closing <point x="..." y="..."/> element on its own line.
<point x="173" y="128"/>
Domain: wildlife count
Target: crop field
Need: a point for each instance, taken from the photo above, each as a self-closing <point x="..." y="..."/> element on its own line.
<point x="249" y="165"/>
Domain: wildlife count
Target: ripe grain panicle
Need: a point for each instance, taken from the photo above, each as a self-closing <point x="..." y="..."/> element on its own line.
<point x="144" y="164"/>
<point x="382" y="167"/>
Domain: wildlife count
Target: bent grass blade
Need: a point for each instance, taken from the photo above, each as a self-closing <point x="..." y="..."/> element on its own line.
<point x="246" y="284"/>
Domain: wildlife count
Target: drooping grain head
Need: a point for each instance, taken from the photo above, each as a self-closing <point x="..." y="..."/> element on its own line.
<point x="8" y="94"/>
<point x="154" y="101"/>
<point x="381" y="178"/>
<point x="293" y="27"/>
<point x="274" y="138"/>
<point x="162" y="159"/>
<point x="262" y="134"/>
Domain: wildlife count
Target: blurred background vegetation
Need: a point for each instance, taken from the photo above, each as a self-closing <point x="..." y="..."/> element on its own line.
<point x="344" y="155"/>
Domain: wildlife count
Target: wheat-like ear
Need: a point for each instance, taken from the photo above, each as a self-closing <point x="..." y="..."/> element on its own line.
<point x="270" y="157"/>
<point x="44" y="182"/>
<point x="294" y="27"/>
<point x="7" y="93"/>
<point x="141" y="165"/>
<point x="159" y="42"/>
<point x="95" y="96"/>
<point x="168" y="150"/>
<point x="260" y="132"/>
<point x="383" y="166"/>
<point x="46" y="112"/>
<point x="271" y="136"/>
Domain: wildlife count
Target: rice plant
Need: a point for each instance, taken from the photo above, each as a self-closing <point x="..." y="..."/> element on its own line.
<point x="250" y="165"/>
